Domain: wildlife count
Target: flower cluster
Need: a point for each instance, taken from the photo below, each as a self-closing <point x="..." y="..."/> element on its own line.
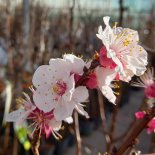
<point x="62" y="86"/>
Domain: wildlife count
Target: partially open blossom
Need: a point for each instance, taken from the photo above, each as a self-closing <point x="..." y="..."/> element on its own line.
<point x="55" y="87"/>
<point x="121" y="51"/>
<point x="140" y="114"/>
<point x="44" y="122"/>
<point x="147" y="81"/>
<point x="151" y="126"/>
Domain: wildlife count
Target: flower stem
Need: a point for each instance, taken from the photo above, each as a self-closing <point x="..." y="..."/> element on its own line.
<point x="77" y="133"/>
<point x="36" y="142"/>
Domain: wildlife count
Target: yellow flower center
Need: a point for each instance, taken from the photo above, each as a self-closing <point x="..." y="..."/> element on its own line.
<point x="126" y="42"/>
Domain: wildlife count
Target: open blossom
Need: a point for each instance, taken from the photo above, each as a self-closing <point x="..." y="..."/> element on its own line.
<point x="44" y="122"/>
<point x="121" y="51"/>
<point x="147" y="81"/>
<point x="55" y="87"/>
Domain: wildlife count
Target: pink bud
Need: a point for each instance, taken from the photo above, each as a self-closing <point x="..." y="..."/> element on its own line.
<point x="150" y="91"/>
<point x="151" y="126"/>
<point x="140" y="114"/>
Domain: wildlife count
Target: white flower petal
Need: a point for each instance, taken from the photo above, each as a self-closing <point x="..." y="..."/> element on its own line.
<point x="63" y="110"/>
<point x="25" y="115"/>
<point x="18" y="116"/>
<point x="69" y="120"/>
<point x="77" y="64"/>
<point x="105" y="75"/>
<point x="100" y="30"/>
<point x="14" y="116"/>
<point x="59" y="68"/>
<point x="137" y="67"/>
<point x="118" y="62"/>
<point x="44" y="100"/>
<point x="106" y="20"/>
<point x="70" y="88"/>
<point x="81" y="110"/>
<point x="80" y="94"/>
<point x="41" y="78"/>
<point x="140" y="53"/>
<point x="126" y="35"/>
<point x="55" y="125"/>
<point x="108" y="93"/>
<point x="106" y="35"/>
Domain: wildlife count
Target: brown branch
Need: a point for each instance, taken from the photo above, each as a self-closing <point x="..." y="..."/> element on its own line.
<point x="135" y="132"/>
<point x="36" y="142"/>
<point x="77" y="133"/>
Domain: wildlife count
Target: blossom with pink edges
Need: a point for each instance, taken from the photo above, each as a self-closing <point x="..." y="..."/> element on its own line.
<point x="121" y="51"/>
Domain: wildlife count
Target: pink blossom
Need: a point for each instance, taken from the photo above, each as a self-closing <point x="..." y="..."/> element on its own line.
<point x="151" y="126"/>
<point x="45" y="122"/>
<point x="140" y="114"/>
<point x="150" y="91"/>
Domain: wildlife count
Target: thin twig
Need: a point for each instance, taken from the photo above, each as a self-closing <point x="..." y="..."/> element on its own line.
<point x="102" y="111"/>
<point x="77" y="133"/>
<point x="36" y="142"/>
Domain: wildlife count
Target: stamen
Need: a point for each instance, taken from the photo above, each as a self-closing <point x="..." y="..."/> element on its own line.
<point x="117" y="93"/>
